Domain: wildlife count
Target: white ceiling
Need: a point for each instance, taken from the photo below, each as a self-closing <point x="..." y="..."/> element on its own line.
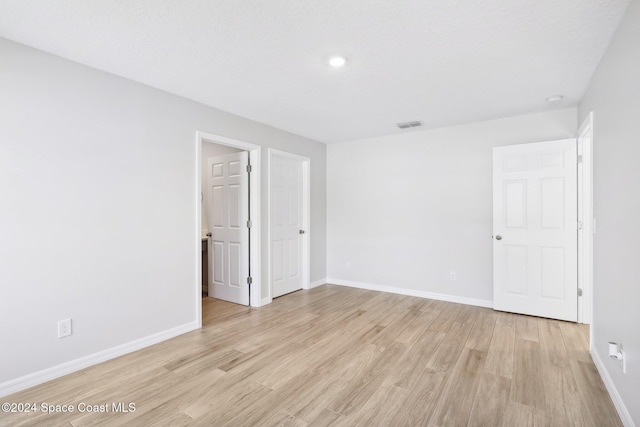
<point x="439" y="61"/>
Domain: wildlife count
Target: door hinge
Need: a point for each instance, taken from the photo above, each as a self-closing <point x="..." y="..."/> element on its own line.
<point x="249" y="224"/>
<point x="249" y="280"/>
<point x="579" y="292"/>
<point x="249" y="168"/>
<point x="580" y="158"/>
<point x="580" y="225"/>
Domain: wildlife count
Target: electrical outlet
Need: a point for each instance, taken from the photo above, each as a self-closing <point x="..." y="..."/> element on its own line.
<point x="453" y="276"/>
<point x="64" y="328"/>
<point x="348" y="264"/>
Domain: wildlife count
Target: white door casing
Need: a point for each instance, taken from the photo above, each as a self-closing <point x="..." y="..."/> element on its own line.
<point x="228" y="214"/>
<point x="288" y="233"/>
<point x="585" y="216"/>
<point x="535" y="229"/>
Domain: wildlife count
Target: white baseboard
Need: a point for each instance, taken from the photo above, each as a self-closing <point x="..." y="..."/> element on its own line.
<point x="317" y="283"/>
<point x="30" y="380"/>
<point x="624" y="414"/>
<point x="413" y="293"/>
<point x="265" y="301"/>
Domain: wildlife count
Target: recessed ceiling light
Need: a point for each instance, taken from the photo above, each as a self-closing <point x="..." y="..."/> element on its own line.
<point x="554" y="100"/>
<point x="337" y="61"/>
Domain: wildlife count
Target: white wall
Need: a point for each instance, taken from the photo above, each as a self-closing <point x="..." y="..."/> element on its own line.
<point x="98" y="208"/>
<point x="407" y="209"/>
<point x="614" y="97"/>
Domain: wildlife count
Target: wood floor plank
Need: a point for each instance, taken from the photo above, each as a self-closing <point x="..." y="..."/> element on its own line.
<point x="395" y="328"/>
<point x="415" y="359"/>
<point x="340" y="380"/>
<point x="416" y="327"/>
<point x="340" y="356"/>
<point x="420" y="404"/>
<point x="507" y="319"/>
<point x="449" y="349"/>
<point x="327" y="418"/>
<point x="482" y="332"/>
<point x="214" y="408"/>
<point x="521" y="415"/>
<point x="593" y="394"/>
<point x="575" y="342"/>
<point x="381" y="409"/>
<point x="527" y="386"/>
<point x="552" y="344"/>
<point x="362" y="386"/>
<point x="563" y="398"/>
<point x="445" y="319"/>
<point x="456" y="402"/>
<point x="501" y="351"/>
<point x="282" y="420"/>
<point x="420" y="304"/>
<point x="527" y="328"/>
<point x="490" y="401"/>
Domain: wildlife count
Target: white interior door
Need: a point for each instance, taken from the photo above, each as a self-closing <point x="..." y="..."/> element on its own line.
<point x="228" y="216"/>
<point x="287" y="232"/>
<point x="535" y="229"/>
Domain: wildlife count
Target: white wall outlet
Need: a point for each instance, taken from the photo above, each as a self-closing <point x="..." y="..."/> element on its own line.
<point x="453" y="276"/>
<point x="348" y="264"/>
<point x="617" y="353"/>
<point x="64" y="328"/>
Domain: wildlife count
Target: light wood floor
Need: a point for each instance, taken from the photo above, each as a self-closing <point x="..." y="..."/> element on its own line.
<point x="342" y="356"/>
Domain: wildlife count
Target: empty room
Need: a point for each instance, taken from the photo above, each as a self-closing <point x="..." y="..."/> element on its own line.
<point x="314" y="213"/>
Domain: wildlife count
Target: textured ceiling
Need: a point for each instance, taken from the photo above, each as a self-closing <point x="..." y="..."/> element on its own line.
<point x="441" y="62"/>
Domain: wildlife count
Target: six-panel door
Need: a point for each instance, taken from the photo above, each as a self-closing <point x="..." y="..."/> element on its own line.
<point x="286" y="223"/>
<point x="535" y="229"/>
<point x="228" y="213"/>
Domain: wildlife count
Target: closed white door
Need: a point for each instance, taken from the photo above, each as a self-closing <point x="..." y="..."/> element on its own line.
<point x="287" y="232"/>
<point x="228" y="216"/>
<point x="535" y="229"/>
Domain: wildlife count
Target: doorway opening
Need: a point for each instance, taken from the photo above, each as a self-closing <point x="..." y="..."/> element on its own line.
<point x="579" y="226"/>
<point x="223" y="146"/>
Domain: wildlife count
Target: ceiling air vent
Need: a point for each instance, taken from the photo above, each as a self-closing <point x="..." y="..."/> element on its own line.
<point x="408" y="125"/>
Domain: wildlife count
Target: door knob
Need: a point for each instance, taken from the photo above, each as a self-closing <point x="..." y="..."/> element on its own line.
<point x="301" y="232"/>
<point x="498" y="237"/>
<point x="209" y="234"/>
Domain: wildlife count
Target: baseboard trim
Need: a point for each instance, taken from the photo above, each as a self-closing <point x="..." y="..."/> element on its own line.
<point x="265" y="301"/>
<point x="413" y="293"/>
<point x="317" y="283"/>
<point x="623" y="412"/>
<point x="30" y="380"/>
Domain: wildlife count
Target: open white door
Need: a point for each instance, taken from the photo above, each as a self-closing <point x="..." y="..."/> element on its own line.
<point x="287" y="230"/>
<point x="535" y="229"/>
<point x="228" y="216"/>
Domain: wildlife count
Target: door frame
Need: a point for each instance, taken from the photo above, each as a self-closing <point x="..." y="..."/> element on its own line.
<point x="306" y="219"/>
<point x="585" y="200"/>
<point x="254" y="200"/>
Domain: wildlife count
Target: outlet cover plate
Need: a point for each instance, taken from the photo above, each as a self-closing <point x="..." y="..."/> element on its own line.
<point x="64" y="328"/>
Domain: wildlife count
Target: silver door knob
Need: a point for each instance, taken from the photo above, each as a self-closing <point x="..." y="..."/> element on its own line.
<point x="498" y="237"/>
<point x="301" y="232"/>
